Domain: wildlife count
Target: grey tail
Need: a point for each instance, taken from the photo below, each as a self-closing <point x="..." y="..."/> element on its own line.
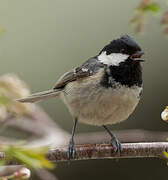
<point x="39" y="96"/>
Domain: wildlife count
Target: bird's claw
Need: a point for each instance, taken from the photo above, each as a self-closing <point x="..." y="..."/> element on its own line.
<point x="71" y="150"/>
<point x="116" y="146"/>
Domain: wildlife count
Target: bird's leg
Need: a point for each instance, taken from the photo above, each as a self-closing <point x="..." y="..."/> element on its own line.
<point x="114" y="141"/>
<point x="71" y="149"/>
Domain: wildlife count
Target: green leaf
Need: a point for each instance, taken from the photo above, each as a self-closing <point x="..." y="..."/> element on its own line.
<point x="31" y="157"/>
<point x="28" y="161"/>
<point x="165" y="154"/>
<point x="39" y="153"/>
<point x="152" y="7"/>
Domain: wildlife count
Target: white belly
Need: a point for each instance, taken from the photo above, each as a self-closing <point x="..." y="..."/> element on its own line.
<point x="96" y="105"/>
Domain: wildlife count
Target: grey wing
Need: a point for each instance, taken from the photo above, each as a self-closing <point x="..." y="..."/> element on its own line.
<point x="89" y="68"/>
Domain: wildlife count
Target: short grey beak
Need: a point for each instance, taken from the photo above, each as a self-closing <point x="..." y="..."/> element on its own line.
<point x="136" y="56"/>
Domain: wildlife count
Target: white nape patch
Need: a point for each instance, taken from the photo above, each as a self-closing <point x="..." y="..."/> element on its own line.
<point x="112" y="59"/>
<point x="84" y="70"/>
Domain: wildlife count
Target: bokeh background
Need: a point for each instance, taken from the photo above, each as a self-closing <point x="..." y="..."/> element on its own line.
<point x="43" y="39"/>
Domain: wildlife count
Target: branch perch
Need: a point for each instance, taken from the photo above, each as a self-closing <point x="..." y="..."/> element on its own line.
<point x="106" y="151"/>
<point x="95" y="146"/>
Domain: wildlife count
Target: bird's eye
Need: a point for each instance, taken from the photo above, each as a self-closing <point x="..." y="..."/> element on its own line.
<point x="122" y="50"/>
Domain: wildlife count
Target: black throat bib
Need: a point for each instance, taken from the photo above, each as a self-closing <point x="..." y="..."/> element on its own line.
<point x="128" y="73"/>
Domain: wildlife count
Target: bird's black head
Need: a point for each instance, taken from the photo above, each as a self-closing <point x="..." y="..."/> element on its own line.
<point x="124" y="45"/>
<point x="122" y="57"/>
<point x="120" y="50"/>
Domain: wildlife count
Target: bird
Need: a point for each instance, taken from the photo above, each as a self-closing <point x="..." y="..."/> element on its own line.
<point x="104" y="90"/>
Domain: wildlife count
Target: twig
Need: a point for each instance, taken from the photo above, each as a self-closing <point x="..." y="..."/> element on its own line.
<point x="12" y="170"/>
<point x="105" y="151"/>
<point x="99" y="149"/>
<point x="16" y="172"/>
<point x="8" y="170"/>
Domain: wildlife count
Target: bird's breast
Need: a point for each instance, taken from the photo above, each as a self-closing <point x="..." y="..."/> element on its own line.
<point x="94" y="104"/>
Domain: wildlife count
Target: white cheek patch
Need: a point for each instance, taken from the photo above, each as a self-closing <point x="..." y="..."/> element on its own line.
<point x="112" y="59"/>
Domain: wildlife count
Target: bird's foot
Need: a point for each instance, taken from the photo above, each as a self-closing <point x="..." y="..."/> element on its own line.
<point x="116" y="146"/>
<point x="71" y="150"/>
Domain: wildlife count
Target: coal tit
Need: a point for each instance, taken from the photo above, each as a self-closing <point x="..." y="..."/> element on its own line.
<point x="103" y="90"/>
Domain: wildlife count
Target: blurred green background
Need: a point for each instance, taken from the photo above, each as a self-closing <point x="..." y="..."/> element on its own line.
<point x="45" y="38"/>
